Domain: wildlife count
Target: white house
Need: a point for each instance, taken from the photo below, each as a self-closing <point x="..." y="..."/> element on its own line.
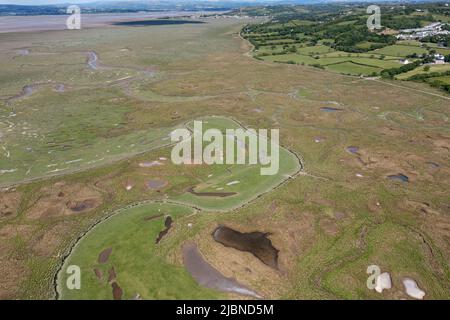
<point x="404" y="61"/>
<point x="439" y="59"/>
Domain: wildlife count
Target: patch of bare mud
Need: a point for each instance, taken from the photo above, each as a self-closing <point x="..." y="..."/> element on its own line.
<point x="13" y="267"/>
<point x="111" y="274"/>
<point x="9" y="204"/>
<point x="209" y="277"/>
<point x="98" y="273"/>
<point x="156" y="184"/>
<point x="103" y="257"/>
<point x="117" y="291"/>
<point x="293" y="241"/>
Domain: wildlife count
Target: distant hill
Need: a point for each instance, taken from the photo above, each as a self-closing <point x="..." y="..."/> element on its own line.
<point x="163" y="5"/>
<point x="115" y="7"/>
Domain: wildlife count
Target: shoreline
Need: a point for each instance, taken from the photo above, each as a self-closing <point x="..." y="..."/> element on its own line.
<point x="38" y="23"/>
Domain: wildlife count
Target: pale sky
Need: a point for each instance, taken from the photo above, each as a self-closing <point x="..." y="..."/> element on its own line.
<point x="38" y="2"/>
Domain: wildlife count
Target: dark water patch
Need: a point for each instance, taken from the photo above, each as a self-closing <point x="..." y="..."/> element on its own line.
<point x="330" y="109"/>
<point x="207" y="276"/>
<point x="353" y="149"/>
<point x="256" y="243"/>
<point x="103" y="257"/>
<point x="111" y="274"/>
<point x="211" y="194"/>
<point x="78" y="206"/>
<point x="116" y="291"/>
<point x="168" y="225"/>
<point x="156" y="22"/>
<point x="156" y="184"/>
<point x="399" y="177"/>
<point x="27" y="91"/>
<point x="22" y="52"/>
<point x="153" y="217"/>
<point x="433" y="165"/>
<point x="59" y="87"/>
<point x="98" y="274"/>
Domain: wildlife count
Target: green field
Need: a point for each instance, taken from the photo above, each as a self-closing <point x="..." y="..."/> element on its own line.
<point x="349" y="65"/>
<point x="245" y="180"/>
<point x="400" y="50"/>
<point x="420" y="70"/>
<point x="141" y="265"/>
<point x="352" y="68"/>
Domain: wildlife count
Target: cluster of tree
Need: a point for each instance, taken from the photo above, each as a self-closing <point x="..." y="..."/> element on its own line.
<point x="18" y="10"/>
<point x="347" y="41"/>
<point x="443" y="39"/>
<point x="405" y="22"/>
<point x="440" y="84"/>
<point x="390" y="73"/>
<point x="346" y="35"/>
<point x="438" y="8"/>
<point x="425" y="76"/>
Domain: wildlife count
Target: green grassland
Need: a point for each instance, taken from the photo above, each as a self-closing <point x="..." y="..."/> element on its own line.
<point x="250" y="183"/>
<point x="420" y="70"/>
<point x="400" y="50"/>
<point x="141" y="265"/>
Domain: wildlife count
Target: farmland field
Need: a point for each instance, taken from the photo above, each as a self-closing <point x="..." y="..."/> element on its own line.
<point x="400" y="50"/>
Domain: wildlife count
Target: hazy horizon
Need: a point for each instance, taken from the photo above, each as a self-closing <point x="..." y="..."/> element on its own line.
<point x="49" y="2"/>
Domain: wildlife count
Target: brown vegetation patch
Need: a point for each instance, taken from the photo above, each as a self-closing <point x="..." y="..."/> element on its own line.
<point x="13" y="268"/>
<point x="12" y="272"/>
<point x="49" y="241"/>
<point x="329" y="226"/>
<point x="442" y="143"/>
<point x="61" y="199"/>
<point x="374" y="206"/>
<point x="98" y="273"/>
<point x="417" y="207"/>
<point x="111" y="274"/>
<point x="390" y="132"/>
<point x="78" y="206"/>
<point x="9" y="204"/>
<point x="292" y="239"/>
